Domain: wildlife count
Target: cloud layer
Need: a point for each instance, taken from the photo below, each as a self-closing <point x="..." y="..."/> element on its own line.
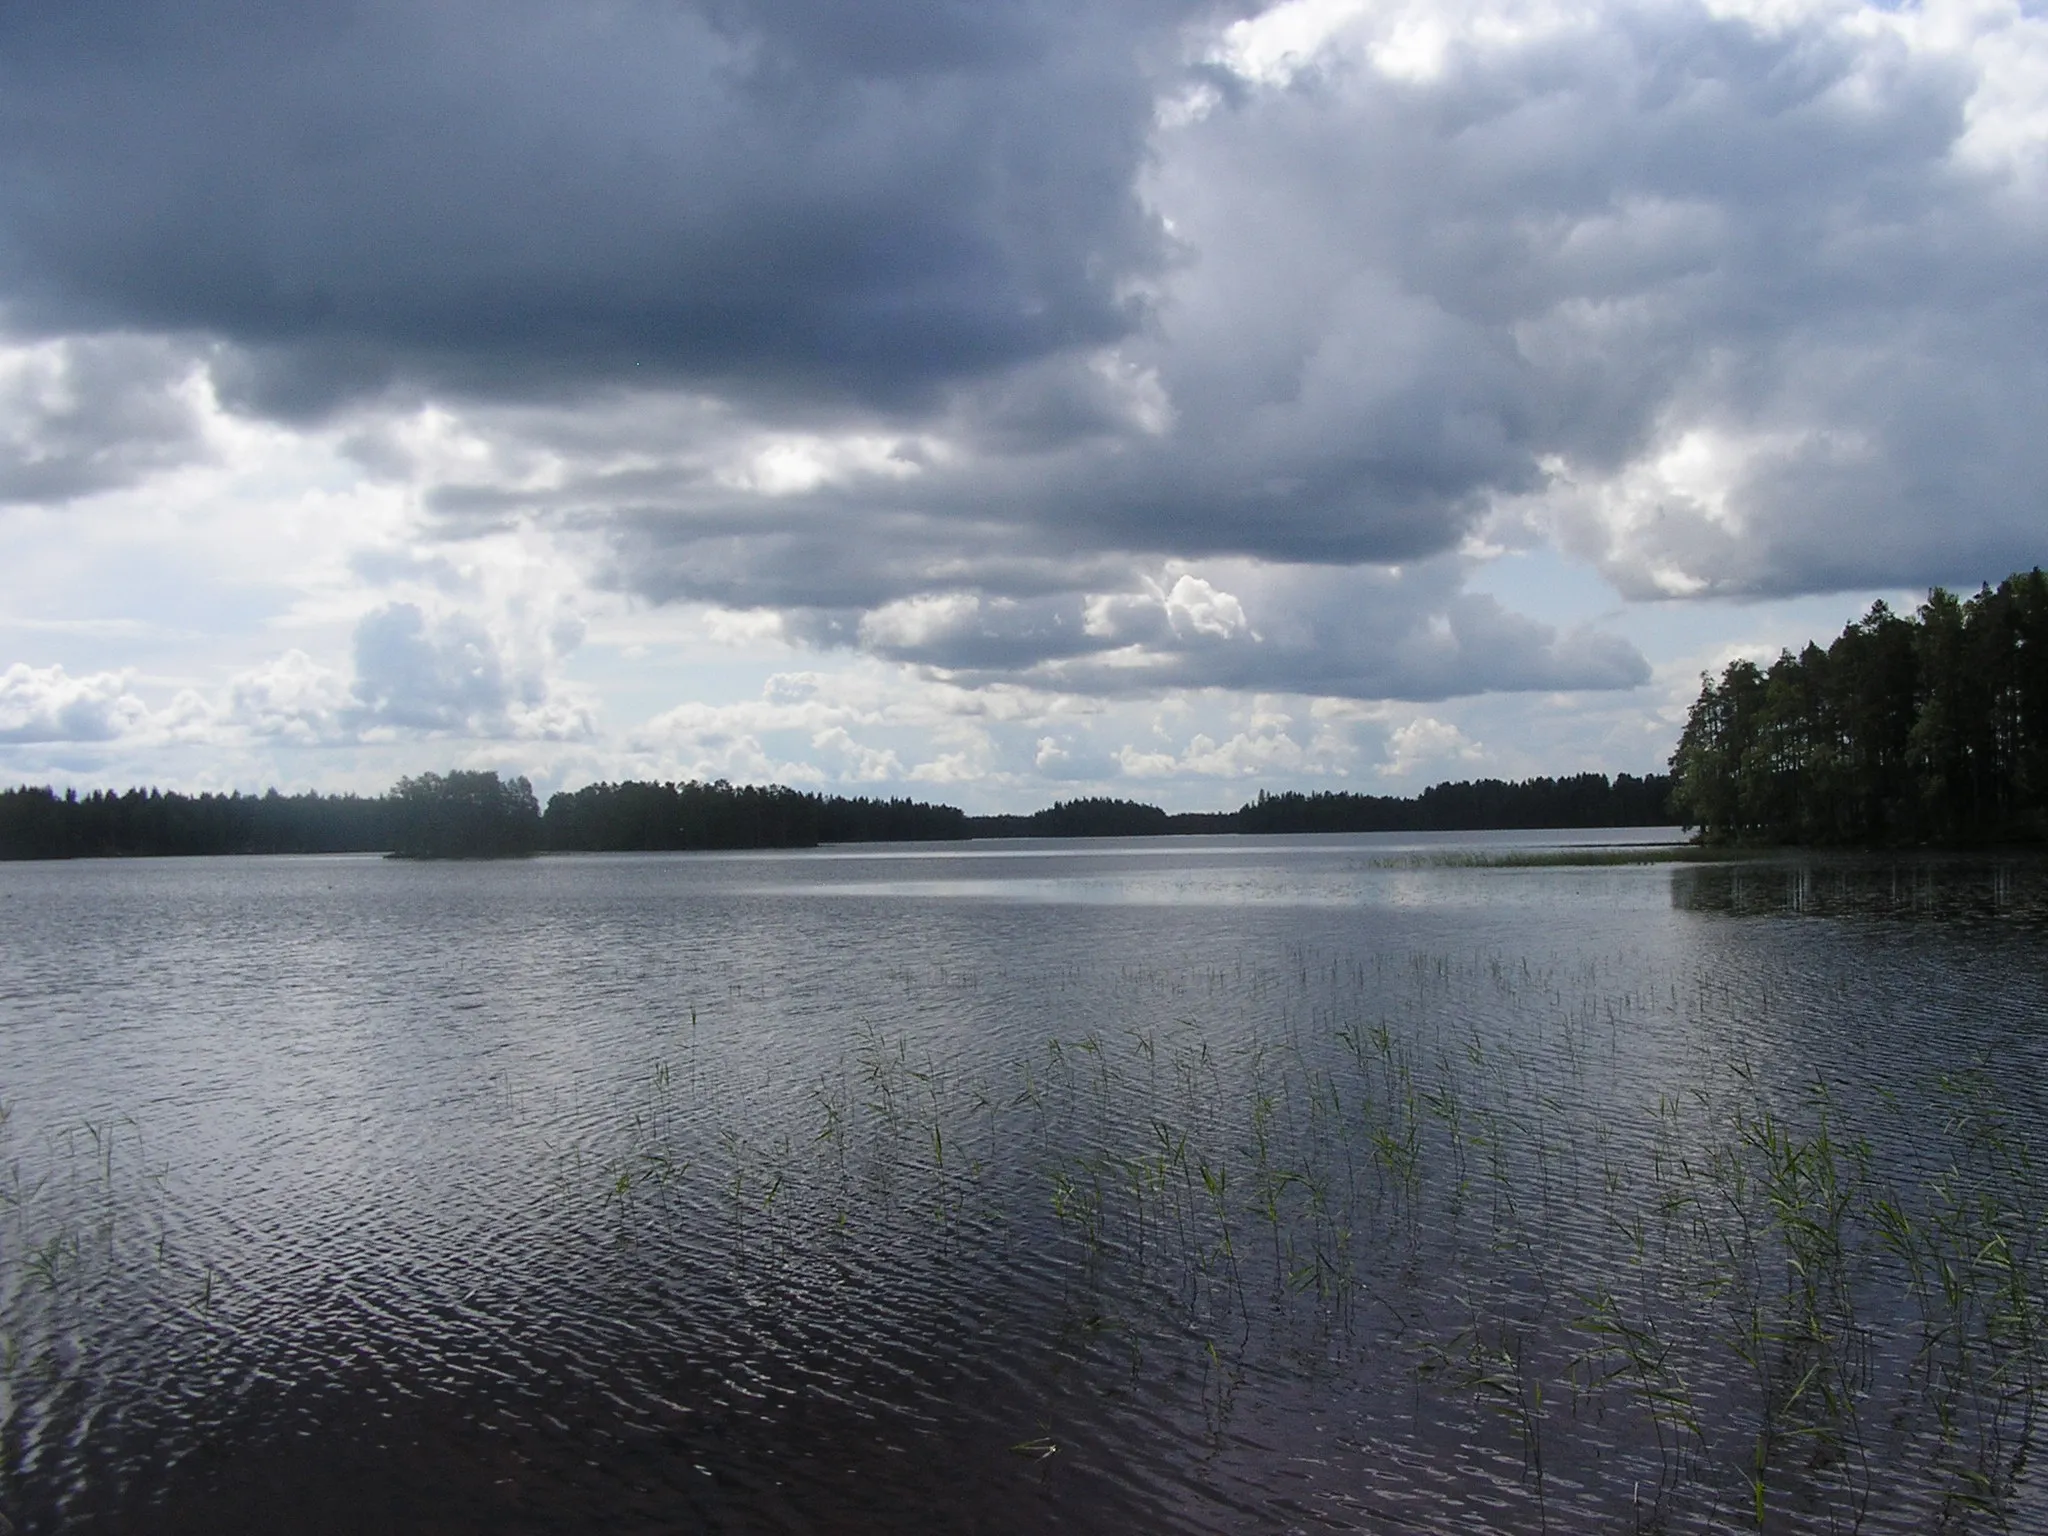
<point x="1104" y="356"/>
<point x="522" y="196"/>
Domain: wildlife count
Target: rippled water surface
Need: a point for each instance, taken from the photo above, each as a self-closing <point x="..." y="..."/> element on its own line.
<point x="1191" y="1184"/>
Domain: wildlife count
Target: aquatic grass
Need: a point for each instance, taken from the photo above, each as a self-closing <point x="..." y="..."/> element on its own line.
<point x="1757" y="1240"/>
<point x="1699" y="1295"/>
<point x="1592" y="857"/>
<point x="83" y="1233"/>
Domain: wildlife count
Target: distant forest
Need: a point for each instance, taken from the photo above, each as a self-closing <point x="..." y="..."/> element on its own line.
<point x="640" y="817"/>
<point x="1929" y="729"/>
<point x="456" y="815"/>
<point x="479" y="815"/>
<point x="1583" y="800"/>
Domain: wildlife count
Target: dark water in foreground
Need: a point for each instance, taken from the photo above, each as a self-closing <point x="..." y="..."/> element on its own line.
<point x="1198" y="1185"/>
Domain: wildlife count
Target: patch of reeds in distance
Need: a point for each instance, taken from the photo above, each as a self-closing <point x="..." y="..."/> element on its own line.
<point x="1590" y="857"/>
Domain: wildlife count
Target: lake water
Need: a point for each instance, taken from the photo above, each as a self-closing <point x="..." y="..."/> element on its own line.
<point x="1189" y="1184"/>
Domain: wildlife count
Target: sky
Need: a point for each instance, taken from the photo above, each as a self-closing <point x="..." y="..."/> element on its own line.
<point x="989" y="401"/>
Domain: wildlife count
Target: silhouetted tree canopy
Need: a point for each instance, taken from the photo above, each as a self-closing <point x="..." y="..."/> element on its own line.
<point x="1097" y="817"/>
<point x="888" y="821"/>
<point x="462" y="815"/>
<point x="1583" y="800"/>
<point x="652" y="817"/>
<point x="619" y="818"/>
<point x="1925" y="729"/>
<point x="38" y="823"/>
<point x="478" y="815"/>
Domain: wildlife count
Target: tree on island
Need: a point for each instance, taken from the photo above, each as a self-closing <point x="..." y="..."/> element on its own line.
<point x="464" y="815"/>
<point x="1932" y="728"/>
<point x="1099" y="816"/>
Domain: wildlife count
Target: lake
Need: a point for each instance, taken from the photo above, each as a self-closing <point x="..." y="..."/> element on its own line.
<point x="1367" y="1183"/>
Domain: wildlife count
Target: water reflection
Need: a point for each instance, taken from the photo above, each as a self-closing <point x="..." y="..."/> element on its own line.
<point x="1943" y="886"/>
<point x="642" y="1193"/>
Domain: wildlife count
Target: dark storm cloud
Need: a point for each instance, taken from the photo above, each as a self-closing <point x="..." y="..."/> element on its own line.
<point x="524" y="196"/>
<point x="1578" y="246"/>
<point x="1398" y="303"/>
<point x="842" y="560"/>
<point x="962" y="333"/>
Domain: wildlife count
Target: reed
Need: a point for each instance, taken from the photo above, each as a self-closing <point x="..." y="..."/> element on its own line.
<point x="1728" y="1298"/>
<point x="1735" y="1302"/>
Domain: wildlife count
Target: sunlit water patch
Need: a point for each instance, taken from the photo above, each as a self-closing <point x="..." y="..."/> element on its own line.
<point x="1202" y="1186"/>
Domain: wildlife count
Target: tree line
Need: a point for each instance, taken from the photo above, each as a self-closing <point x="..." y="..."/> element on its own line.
<point x="1924" y="729"/>
<point x="38" y="823"/>
<point x="1929" y="728"/>
<point x="1100" y="816"/>
<point x="1584" y="800"/>
<point x="455" y="815"/>
<point x="479" y="815"/>
<point x="649" y="817"/>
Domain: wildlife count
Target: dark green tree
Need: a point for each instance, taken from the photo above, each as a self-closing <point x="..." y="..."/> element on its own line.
<point x="1928" y="729"/>
<point x="464" y="815"/>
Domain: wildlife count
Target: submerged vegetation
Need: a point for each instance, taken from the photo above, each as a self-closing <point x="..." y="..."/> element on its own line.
<point x="1583" y="857"/>
<point x="1740" y="1304"/>
<point x="1929" y="729"/>
<point x="1438" y="1200"/>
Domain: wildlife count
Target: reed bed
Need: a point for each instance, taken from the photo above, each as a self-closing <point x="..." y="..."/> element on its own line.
<point x="1740" y="1301"/>
<point x="1743" y="1302"/>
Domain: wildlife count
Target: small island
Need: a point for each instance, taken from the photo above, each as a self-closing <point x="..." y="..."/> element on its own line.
<point x="473" y="815"/>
